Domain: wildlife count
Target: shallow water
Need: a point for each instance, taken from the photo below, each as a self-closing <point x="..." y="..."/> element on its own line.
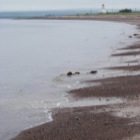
<point x="35" y="55"/>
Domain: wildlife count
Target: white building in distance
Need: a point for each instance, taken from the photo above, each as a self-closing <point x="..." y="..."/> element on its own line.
<point x="103" y="11"/>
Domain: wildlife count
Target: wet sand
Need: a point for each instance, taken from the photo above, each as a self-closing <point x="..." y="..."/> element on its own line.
<point x="120" y="87"/>
<point x="127" y="68"/>
<point x="83" y="124"/>
<point x="108" y="122"/>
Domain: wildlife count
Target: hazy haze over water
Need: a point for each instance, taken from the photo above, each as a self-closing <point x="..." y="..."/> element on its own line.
<point x="65" y="4"/>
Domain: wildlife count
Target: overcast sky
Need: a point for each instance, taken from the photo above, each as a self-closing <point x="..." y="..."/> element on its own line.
<point x="65" y="4"/>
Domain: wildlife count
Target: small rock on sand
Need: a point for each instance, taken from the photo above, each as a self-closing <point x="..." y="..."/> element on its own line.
<point x="135" y="34"/>
<point x="69" y="73"/>
<point x="93" y="72"/>
<point x="77" y="73"/>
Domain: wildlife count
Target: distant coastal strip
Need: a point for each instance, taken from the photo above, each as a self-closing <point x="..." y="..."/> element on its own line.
<point x="135" y="19"/>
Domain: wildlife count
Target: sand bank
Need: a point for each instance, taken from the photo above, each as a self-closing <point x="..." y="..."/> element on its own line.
<point x="133" y="19"/>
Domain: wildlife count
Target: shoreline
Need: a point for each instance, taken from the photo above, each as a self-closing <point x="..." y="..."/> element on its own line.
<point x="117" y="121"/>
<point x="131" y="19"/>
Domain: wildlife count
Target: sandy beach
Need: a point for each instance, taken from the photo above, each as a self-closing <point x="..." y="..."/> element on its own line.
<point x="133" y="19"/>
<point x="104" y="122"/>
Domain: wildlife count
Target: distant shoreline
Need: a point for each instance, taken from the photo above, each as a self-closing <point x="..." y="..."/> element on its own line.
<point x="127" y="18"/>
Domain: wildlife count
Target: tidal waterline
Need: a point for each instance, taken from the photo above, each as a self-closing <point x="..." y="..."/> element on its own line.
<point x="34" y="58"/>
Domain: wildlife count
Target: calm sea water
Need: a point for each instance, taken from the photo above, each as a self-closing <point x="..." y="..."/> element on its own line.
<point x="27" y="14"/>
<point x="35" y="55"/>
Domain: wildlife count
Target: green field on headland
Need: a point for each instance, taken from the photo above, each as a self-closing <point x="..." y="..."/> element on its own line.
<point x="112" y="13"/>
